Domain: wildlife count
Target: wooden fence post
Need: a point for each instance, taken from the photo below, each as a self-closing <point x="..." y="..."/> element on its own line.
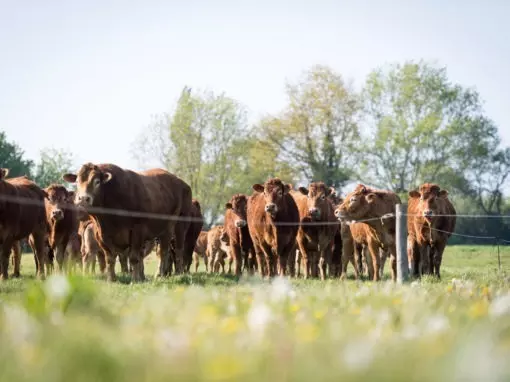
<point x="401" y="241"/>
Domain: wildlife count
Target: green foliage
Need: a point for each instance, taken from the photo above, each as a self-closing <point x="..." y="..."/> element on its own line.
<point x="11" y="157"/>
<point x="52" y="164"/>
<point x="422" y="128"/>
<point x="317" y="133"/>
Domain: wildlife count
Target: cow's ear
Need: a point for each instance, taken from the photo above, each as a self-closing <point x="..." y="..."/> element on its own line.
<point x="107" y="176"/>
<point x="45" y="193"/>
<point x="3" y="173"/>
<point x="443" y="193"/>
<point x="69" y="178"/>
<point x="291" y="187"/>
<point x="228" y="205"/>
<point x="258" y="187"/>
<point x="286" y="188"/>
<point x="303" y="190"/>
<point x="371" y="197"/>
<point x="414" y="194"/>
<point x="331" y="191"/>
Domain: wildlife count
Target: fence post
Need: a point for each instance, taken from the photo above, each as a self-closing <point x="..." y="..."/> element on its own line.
<point x="401" y="241"/>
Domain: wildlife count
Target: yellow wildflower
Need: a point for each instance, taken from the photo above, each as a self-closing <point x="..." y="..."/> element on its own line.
<point x="223" y="367"/>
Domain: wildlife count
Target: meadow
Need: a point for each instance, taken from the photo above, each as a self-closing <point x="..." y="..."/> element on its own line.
<point x="215" y="327"/>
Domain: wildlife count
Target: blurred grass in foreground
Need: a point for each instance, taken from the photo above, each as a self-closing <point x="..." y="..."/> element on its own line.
<point x="202" y="327"/>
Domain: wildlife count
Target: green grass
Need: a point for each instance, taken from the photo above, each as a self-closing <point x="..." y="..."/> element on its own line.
<point x="202" y="327"/>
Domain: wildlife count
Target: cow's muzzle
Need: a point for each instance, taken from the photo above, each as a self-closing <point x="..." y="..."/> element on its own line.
<point x="57" y="214"/>
<point x="271" y="208"/>
<point x="314" y="213"/>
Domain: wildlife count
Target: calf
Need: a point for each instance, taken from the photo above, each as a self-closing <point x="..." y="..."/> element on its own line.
<point x="217" y="248"/>
<point x="315" y="240"/>
<point x="273" y="222"/>
<point x="373" y="206"/>
<point x="236" y="227"/>
<point x="143" y="195"/>
<point x="22" y="214"/>
<point x="62" y="222"/>
<point x="200" y="251"/>
<point x="90" y="249"/>
<point x="431" y="220"/>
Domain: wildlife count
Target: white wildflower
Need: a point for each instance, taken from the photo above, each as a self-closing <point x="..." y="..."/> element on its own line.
<point x="21" y="326"/>
<point x="258" y="317"/>
<point x="57" y="287"/>
<point x="410" y="332"/>
<point x="500" y="306"/>
<point x="437" y="324"/>
<point x="280" y="289"/>
<point x="170" y="341"/>
<point x="359" y="355"/>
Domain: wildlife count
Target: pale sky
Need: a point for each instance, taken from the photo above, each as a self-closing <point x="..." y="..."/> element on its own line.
<point x="88" y="75"/>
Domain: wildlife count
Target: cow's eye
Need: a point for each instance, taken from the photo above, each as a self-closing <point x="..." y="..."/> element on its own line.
<point x="352" y="199"/>
<point x="323" y="197"/>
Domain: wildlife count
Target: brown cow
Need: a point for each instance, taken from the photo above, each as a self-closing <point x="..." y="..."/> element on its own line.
<point x="236" y="227"/>
<point x="315" y="241"/>
<point x="217" y="248"/>
<point x="200" y="251"/>
<point x="195" y="227"/>
<point x="62" y="222"/>
<point x="22" y="214"/>
<point x="145" y="193"/>
<point x="373" y="206"/>
<point x="16" y="258"/>
<point x="428" y="228"/>
<point x="273" y="222"/>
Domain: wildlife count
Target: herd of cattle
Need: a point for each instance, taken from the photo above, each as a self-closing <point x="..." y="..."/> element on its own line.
<point x="278" y="230"/>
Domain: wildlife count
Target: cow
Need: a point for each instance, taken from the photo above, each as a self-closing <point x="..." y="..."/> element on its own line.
<point x="200" y="251"/>
<point x="195" y="227"/>
<point x="236" y="227"/>
<point x="431" y="220"/>
<point x="90" y="250"/>
<point x="273" y="222"/>
<point x="315" y="240"/>
<point x="16" y="258"/>
<point x="336" y="258"/>
<point x="141" y="196"/>
<point x="376" y="209"/>
<point x="217" y="248"/>
<point x="62" y="222"/>
<point x="22" y="214"/>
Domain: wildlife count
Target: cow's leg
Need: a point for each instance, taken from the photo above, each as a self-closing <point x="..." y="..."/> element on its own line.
<point x="230" y="258"/>
<point x="40" y="248"/>
<point x="196" y="261"/>
<point x="135" y="253"/>
<point x="236" y="256"/>
<point x="367" y="262"/>
<point x="4" y="260"/>
<point x="59" y="251"/>
<point x="16" y="258"/>
<point x="324" y="260"/>
<point x="439" y="247"/>
<point x="124" y="263"/>
<point x="210" y="258"/>
<point x="393" y="262"/>
<point x="298" y="258"/>
<point x="269" y="261"/>
<point x="101" y="259"/>
<point x="348" y="256"/>
<point x="291" y="262"/>
<point x="306" y="257"/>
<point x="373" y="247"/>
<point x="163" y="255"/>
<point x="383" y="253"/>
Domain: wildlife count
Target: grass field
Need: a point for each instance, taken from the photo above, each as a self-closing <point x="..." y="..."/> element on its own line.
<point x="201" y="327"/>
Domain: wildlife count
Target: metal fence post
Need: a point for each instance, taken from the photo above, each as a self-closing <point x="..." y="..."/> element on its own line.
<point x="401" y="242"/>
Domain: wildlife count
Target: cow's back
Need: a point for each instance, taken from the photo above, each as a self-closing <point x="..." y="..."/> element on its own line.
<point x="23" y="207"/>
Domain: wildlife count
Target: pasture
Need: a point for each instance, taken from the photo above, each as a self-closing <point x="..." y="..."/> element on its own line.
<point x="214" y="327"/>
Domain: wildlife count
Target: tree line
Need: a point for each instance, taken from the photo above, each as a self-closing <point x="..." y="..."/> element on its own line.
<point x="407" y="124"/>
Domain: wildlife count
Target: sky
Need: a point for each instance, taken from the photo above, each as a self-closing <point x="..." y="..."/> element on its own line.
<point x="87" y="76"/>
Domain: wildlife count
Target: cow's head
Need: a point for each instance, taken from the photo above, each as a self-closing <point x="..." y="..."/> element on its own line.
<point x="238" y="205"/>
<point x="317" y="194"/>
<point x="334" y="197"/>
<point x="357" y="204"/>
<point x="274" y="190"/>
<point x="428" y="195"/>
<point x="90" y="182"/>
<point x="224" y="238"/>
<point x="3" y="173"/>
<point x="57" y="201"/>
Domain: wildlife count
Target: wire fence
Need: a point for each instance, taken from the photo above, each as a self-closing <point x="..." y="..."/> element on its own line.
<point x="180" y="218"/>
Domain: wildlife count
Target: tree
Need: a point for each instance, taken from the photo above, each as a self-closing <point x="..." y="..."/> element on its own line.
<point x="52" y="164"/>
<point x="317" y="133"/>
<point x="11" y="157"/>
<point x="206" y="142"/>
<point x="422" y="128"/>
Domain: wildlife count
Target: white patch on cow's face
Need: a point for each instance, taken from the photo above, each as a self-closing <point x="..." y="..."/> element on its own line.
<point x="84" y="198"/>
